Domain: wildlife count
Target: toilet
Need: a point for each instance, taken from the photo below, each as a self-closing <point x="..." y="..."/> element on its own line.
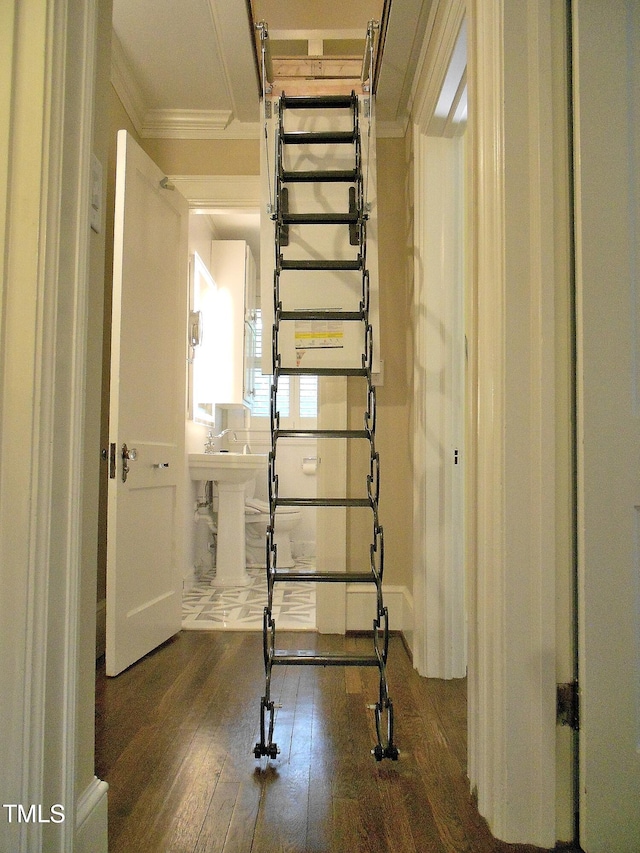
<point x="256" y="516"/>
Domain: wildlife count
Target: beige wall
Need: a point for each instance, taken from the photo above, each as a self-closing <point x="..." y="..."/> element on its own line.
<point x="393" y="434"/>
<point x="205" y="156"/>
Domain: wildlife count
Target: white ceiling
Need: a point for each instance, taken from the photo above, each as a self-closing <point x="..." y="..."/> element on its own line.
<point x="186" y="68"/>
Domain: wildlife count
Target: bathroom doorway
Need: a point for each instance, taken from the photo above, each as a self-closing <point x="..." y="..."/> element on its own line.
<point x="205" y="606"/>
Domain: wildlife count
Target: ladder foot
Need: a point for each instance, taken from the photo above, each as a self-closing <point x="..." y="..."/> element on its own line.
<point x="379" y="752"/>
<point x="270" y="750"/>
<point x="392" y="752"/>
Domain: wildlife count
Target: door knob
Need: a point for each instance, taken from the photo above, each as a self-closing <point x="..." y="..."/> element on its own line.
<point x="127" y="456"/>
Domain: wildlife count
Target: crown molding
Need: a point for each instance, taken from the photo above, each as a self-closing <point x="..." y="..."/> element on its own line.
<point x="185" y="124"/>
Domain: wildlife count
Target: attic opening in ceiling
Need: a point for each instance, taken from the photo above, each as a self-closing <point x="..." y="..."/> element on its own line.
<point x="194" y="74"/>
<point x="305" y="43"/>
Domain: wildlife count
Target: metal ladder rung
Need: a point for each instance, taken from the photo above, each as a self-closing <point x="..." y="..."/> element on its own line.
<point x="302" y="657"/>
<point x="307" y="314"/>
<point x="322" y="433"/>
<point x="335" y="502"/>
<point x="322" y="371"/>
<point x="320" y="265"/>
<point x="323" y="576"/>
<point x="345" y="176"/>
<point x="306" y="102"/>
<point x="320" y="218"/>
<point x="301" y="137"/>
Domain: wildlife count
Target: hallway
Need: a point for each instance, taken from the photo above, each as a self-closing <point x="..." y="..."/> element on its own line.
<point x="175" y="735"/>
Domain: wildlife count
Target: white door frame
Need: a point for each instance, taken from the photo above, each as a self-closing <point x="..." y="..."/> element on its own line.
<point x="514" y="273"/>
<point x="439" y="638"/>
<point x="47" y="86"/>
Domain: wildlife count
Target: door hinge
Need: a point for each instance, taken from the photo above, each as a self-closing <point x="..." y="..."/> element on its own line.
<point x="568" y="705"/>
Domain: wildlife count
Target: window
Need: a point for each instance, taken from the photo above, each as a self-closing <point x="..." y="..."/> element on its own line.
<point x="297" y="395"/>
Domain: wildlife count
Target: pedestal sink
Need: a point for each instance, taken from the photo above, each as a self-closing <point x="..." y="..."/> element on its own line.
<point x="230" y="471"/>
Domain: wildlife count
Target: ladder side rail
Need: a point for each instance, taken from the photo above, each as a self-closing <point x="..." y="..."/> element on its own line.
<point x="377" y="564"/>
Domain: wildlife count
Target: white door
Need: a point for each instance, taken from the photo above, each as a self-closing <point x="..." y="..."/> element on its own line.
<point x="147" y="410"/>
<point x="607" y="122"/>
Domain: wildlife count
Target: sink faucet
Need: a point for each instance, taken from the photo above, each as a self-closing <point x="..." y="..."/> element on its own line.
<point x="210" y="445"/>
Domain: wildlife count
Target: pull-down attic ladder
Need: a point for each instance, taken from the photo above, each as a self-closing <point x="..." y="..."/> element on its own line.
<point x="323" y="307"/>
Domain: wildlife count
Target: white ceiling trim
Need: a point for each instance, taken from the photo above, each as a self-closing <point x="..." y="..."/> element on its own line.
<point x="219" y="192"/>
<point x="124" y="82"/>
<point x="185" y="124"/>
<point x="205" y="124"/>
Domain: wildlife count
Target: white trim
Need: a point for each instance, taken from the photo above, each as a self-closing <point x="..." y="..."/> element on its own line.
<point x="219" y="192"/>
<point x="41" y="436"/>
<point x="196" y="124"/>
<point x="185" y="124"/>
<point x="67" y="352"/>
<point x="439" y="642"/>
<point x="486" y="758"/>
<point x="91" y="819"/>
<point x="440" y="41"/>
<point x="439" y="639"/>
<point x="512" y="728"/>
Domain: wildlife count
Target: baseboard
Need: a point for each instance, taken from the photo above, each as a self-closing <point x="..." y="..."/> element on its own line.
<point x="361" y="608"/>
<point x="91" y="819"/>
<point x="101" y="627"/>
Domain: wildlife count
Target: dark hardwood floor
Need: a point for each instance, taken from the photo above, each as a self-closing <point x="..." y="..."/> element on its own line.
<point x="175" y="735"/>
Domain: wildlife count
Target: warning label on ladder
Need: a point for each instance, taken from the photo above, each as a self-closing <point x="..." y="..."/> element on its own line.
<point x="319" y="334"/>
